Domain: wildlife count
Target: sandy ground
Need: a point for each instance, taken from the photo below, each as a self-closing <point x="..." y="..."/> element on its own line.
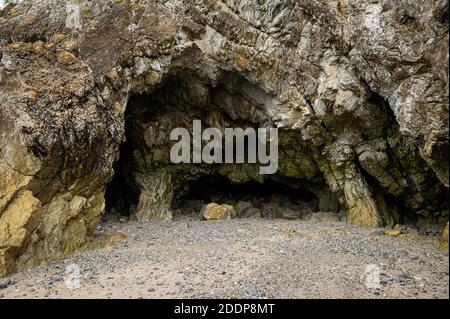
<point x="251" y="258"/>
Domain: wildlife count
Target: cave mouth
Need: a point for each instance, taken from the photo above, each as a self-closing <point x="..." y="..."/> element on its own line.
<point x="122" y="193"/>
<point x="147" y="185"/>
<point x="269" y="199"/>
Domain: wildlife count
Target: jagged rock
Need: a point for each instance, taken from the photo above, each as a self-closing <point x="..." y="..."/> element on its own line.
<point x="215" y="211"/>
<point x="358" y="89"/>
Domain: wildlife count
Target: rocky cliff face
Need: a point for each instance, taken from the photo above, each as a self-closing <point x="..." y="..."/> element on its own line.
<point x="358" y="89"/>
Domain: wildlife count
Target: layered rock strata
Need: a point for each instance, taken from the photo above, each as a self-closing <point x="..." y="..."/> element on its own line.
<point x="358" y="89"/>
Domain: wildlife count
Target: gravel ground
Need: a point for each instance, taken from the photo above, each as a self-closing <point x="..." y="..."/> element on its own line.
<point x="252" y="258"/>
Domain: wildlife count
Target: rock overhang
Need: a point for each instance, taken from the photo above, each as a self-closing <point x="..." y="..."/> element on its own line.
<point x="371" y="107"/>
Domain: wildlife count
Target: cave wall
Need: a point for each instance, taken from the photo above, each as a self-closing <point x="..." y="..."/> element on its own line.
<point x="360" y="86"/>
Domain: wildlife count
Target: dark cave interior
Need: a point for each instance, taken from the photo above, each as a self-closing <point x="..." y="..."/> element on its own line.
<point x="218" y="189"/>
<point x="176" y="102"/>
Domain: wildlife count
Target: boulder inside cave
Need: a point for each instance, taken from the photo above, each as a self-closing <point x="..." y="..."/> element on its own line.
<point x="270" y="199"/>
<point x="146" y="184"/>
<point x="276" y="197"/>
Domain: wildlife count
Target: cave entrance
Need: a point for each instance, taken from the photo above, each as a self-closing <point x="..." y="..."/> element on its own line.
<point x="148" y="185"/>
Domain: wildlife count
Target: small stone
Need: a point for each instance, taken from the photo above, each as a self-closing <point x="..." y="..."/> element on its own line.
<point x="392" y="232"/>
<point x="140" y="281"/>
<point x="248" y="292"/>
<point x="123" y="219"/>
<point x="66" y="57"/>
<point x="402" y="276"/>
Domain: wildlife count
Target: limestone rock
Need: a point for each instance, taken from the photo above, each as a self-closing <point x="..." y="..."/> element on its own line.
<point x="215" y="211"/>
<point x="358" y="89"/>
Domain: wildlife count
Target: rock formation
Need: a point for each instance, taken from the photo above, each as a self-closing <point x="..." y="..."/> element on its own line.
<point x="358" y="89"/>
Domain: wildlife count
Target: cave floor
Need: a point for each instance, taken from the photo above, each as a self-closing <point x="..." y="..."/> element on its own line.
<point x="253" y="258"/>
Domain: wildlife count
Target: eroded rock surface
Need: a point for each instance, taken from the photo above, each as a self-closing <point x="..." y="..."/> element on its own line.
<point x="359" y="90"/>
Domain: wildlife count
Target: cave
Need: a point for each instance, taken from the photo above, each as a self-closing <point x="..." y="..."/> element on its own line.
<point x="91" y="91"/>
<point x="148" y="185"/>
<point x="286" y="195"/>
<point x="219" y="189"/>
<point x="269" y="199"/>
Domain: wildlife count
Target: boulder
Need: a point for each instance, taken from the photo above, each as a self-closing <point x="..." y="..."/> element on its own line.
<point x="392" y="232"/>
<point x="245" y="209"/>
<point x="250" y="212"/>
<point x="396" y="231"/>
<point x="271" y="211"/>
<point x="215" y="211"/>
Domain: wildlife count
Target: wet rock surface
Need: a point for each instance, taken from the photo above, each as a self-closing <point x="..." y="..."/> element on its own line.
<point x="358" y="89"/>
